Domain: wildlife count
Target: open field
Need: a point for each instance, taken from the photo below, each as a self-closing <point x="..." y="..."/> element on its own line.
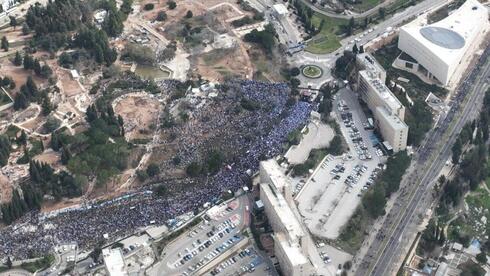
<point x="139" y="114"/>
<point x="326" y="41"/>
<point x="219" y="64"/>
<point x="69" y="86"/>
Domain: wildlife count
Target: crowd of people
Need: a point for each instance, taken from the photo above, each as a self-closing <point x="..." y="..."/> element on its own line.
<point x="254" y="135"/>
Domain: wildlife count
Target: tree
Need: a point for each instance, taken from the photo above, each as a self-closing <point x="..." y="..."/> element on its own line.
<point x="5" y="44"/>
<point x="481" y="258"/>
<point x="17" y="59"/>
<point x="374" y="201"/>
<point x="149" y="7"/>
<point x="20" y="101"/>
<point x="295" y="82"/>
<point x="22" y="138"/>
<point x="457" y="149"/>
<point x="355" y="50"/>
<point x="28" y="61"/>
<point x="25" y="29"/>
<point x="13" y="21"/>
<point x="126" y="7"/>
<point x="161" y="16"/>
<point x="294" y="71"/>
<point x="382" y="12"/>
<point x="160" y="190"/>
<point x="113" y="24"/>
<point x="193" y="169"/>
<point x="9" y="263"/>
<point x="188" y="14"/>
<point x="142" y="175"/>
<point x="152" y="170"/>
<point x="171" y="4"/>
<point x="37" y="67"/>
<point x="350" y="26"/>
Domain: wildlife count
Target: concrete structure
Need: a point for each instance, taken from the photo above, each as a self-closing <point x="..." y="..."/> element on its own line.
<point x="440" y="48"/>
<point x="388" y="112"/>
<point x="280" y="10"/>
<point x="7" y="5"/>
<point x="290" y="241"/>
<point x="114" y="261"/>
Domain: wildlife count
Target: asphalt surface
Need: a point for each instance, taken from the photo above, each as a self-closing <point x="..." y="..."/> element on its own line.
<point x="429" y="160"/>
<point x="171" y="253"/>
<point x="327" y="61"/>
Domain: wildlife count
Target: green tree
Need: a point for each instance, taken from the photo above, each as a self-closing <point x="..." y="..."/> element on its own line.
<point x="152" y="170"/>
<point x="17" y="59"/>
<point x="13" y="21"/>
<point x="374" y="201"/>
<point x="9" y="263"/>
<point x="294" y="71"/>
<point x="481" y="258"/>
<point x="161" y="16"/>
<point x="25" y="29"/>
<point x="193" y="169"/>
<point x="113" y="24"/>
<point x="5" y="44"/>
<point x="149" y="6"/>
<point x="188" y="14"/>
<point x="126" y="7"/>
<point x="171" y="4"/>
<point x="20" y="101"/>
<point x="457" y="149"/>
<point x="382" y="13"/>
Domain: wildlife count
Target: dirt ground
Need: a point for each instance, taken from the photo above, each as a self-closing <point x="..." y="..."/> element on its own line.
<point x="18" y="74"/>
<point x="139" y="115"/>
<point x="69" y="86"/>
<point x="222" y="63"/>
<point x="48" y="157"/>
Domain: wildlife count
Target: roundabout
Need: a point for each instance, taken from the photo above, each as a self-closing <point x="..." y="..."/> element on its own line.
<point x="312" y="71"/>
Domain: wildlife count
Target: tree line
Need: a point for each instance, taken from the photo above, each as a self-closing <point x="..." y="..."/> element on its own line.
<point x="54" y="24"/>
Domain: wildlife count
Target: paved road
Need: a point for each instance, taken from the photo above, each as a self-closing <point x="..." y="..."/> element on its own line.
<point x="327" y="61"/>
<point x="348" y="16"/>
<point x="430" y="159"/>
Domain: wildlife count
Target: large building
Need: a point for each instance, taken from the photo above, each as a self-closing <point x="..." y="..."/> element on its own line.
<point x="388" y="112"/>
<point x="114" y="262"/>
<point x="290" y="241"/>
<point x="440" y="48"/>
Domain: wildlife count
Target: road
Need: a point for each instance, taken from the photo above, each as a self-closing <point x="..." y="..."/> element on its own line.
<point x="429" y="159"/>
<point x="348" y="16"/>
<point x="327" y="61"/>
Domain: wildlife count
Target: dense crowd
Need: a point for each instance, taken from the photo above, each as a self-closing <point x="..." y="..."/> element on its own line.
<point x="256" y="135"/>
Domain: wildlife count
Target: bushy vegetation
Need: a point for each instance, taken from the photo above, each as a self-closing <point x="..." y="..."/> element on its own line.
<point x="210" y="165"/>
<point x="265" y="38"/>
<point x="55" y="23"/>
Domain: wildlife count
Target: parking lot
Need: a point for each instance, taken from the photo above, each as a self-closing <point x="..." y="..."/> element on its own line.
<point x="334" y="191"/>
<point x="244" y="261"/>
<point x="206" y="242"/>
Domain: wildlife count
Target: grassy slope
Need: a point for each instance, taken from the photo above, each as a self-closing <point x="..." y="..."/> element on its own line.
<point x="326" y="41"/>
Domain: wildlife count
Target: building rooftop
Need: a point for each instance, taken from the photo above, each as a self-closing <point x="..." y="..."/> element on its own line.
<point x="275" y="174"/>
<point x="383" y="91"/>
<point x="391" y="119"/>
<point x="369" y="62"/>
<point x="450" y="37"/>
<point x="280" y="9"/>
<point x="114" y="261"/>
<point x="281" y="207"/>
<point x="294" y="253"/>
<point x="443" y="37"/>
